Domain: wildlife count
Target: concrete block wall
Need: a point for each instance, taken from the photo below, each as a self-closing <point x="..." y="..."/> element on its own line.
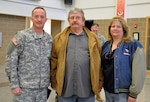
<point x="9" y="25"/>
<point x="141" y="27"/>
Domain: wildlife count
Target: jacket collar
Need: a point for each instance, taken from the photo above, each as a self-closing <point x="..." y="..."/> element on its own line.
<point x="65" y="34"/>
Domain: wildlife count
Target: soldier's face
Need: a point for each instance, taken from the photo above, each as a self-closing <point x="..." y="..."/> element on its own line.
<point x="38" y="18"/>
<point x="94" y="29"/>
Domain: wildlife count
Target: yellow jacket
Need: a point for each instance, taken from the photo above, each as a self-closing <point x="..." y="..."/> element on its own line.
<point x="58" y="58"/>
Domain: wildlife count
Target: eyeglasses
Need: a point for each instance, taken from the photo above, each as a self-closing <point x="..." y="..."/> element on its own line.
<point x="75" y="17"/>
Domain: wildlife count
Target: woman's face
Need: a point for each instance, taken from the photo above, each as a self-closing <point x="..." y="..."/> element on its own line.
<point x="116" y="30"/>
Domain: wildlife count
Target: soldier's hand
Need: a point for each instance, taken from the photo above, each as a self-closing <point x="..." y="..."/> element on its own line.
<point x="16" y="91"/>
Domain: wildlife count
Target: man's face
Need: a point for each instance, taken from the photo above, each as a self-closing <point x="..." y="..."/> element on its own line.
<point x="94" y="29"/>
<point x="76" y="20"/>
<point x="38" y="18"/>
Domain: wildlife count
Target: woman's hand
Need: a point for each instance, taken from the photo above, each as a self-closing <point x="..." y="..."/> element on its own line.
<point x="131" y="99"/>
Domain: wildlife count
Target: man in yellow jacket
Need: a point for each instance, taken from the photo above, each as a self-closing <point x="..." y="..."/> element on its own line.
<point x="75" y="71"/>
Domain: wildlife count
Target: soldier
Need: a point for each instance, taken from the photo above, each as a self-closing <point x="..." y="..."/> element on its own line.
<point x="94" y="29"/>
<point x="27" y="62"/>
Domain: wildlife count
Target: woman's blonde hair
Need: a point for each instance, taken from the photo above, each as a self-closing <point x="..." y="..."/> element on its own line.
<point x="126" y="37"/>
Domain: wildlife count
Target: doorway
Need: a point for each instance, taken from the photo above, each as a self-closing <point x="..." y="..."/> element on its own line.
<point x="147" y="44"/>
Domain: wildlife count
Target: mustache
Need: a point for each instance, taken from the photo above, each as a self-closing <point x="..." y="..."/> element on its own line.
<point x="74" y="23"/>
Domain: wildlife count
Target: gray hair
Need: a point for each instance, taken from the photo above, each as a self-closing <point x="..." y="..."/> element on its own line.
<point x="76" y="10"/>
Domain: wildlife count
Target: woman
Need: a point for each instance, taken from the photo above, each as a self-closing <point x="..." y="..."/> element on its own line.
<point x="123" y="63"/>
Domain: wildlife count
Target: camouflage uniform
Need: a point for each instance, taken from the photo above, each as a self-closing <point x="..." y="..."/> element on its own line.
<point x="27" y="64"/>
<point x="102" y="38"/>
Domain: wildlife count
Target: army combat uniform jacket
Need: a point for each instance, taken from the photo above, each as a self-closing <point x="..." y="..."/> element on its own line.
<point x="27" y="60"/>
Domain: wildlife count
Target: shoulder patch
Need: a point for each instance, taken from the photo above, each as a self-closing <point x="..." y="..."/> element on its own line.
<point x="14" y="41"/>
